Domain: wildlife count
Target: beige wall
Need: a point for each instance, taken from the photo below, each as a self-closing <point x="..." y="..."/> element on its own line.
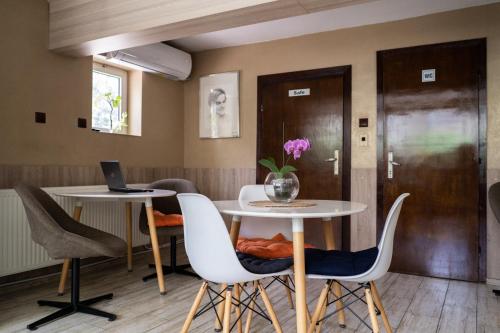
<point x="34" y="79"/>
<point x="356" y="47"/>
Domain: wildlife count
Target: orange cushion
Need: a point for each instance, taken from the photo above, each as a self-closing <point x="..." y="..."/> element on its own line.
<point x="274" y="248"/>
<point x="167" y="220"/>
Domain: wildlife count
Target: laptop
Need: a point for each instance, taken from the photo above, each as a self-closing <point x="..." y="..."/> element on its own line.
<point x="114" y="178"/>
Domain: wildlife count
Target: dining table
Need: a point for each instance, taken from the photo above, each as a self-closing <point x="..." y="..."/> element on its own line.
<point x="322" y="210"/>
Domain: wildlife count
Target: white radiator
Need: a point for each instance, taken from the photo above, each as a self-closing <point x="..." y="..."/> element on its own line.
<point x="18" y="253"/>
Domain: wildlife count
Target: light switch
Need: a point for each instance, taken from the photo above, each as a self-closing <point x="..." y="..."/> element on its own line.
<point x="363" y="140"/>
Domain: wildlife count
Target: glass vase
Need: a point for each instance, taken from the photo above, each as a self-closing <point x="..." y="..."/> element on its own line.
<point x="281" y="188"/>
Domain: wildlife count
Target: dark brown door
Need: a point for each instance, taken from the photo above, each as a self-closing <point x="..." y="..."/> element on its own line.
<point x="431" y="119"/>
<point x="313" y="104"/>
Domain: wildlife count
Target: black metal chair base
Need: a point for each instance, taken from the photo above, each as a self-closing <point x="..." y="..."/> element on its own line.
<point x="173" y="268"/>
<point x="68" y="308"/>
<point x="496" y="292"/>
<point x="179" y="269"/>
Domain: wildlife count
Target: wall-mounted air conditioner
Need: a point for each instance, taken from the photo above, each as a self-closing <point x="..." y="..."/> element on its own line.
<point x="157" y="58"/>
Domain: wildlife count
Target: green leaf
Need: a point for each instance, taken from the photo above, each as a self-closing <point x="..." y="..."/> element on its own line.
<point x="272" y="160"/>
<point x="270" y="164"/>
<point x="287" y="168"/>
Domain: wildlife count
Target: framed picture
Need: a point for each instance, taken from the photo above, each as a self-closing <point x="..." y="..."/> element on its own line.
<point x="219" y="106"/>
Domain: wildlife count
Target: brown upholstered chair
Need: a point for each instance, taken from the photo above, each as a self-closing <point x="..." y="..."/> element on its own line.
<point x="168" y="205"/>
<point x="63" y="237"/>
<point x="494" y="197"/>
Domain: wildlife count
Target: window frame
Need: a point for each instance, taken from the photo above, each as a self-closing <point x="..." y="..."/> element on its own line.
<point x="123" y="74"/>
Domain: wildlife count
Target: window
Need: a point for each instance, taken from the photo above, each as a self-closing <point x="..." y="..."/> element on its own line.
<point x="109" y="99"/>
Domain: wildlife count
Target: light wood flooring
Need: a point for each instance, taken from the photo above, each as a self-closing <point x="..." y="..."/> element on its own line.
<point x="413" y="304"/>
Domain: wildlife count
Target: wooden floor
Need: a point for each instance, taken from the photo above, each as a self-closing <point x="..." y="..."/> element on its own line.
<point x="413" y="304"/>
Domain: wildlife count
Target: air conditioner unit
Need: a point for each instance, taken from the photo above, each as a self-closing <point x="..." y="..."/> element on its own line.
<point x="156" y="58"/>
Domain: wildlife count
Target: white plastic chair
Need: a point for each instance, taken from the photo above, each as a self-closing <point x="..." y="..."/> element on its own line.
<point x="253" y="227"/>
<point x="261" y="227"/>
<point x="213" y="258"/>
<point x="366" y="279"/>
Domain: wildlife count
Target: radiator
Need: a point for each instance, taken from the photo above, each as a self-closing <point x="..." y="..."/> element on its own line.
<point x="18" y="253"/>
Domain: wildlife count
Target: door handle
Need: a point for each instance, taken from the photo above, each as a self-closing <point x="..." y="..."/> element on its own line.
<point x="391" y="164"/>
<point x="335" y="161"/>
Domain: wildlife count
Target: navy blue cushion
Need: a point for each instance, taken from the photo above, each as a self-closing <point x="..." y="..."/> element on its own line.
<point x="263" y="266"/>
<point x="339" y="263"/>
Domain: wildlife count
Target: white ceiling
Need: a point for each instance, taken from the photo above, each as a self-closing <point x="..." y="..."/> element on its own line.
<point x="352" y="16"/>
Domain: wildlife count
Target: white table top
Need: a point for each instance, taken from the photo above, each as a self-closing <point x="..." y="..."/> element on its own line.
<point x="115" y="196"/>
<point x="323" y="209"/>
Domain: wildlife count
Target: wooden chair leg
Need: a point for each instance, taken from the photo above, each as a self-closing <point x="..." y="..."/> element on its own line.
<point x="251" y="306"/>
<point x="269" y="308"/>
<point x="339" y="304"/>
<point x="319" y="308"/>
<point x="194" y="307"/>
<point x="371" y="310"/>
<point x="64" y="277"/>
<point x="323" y="312"/>
<point x="378" y="303"/>
<point x="220" y="312"/>
<point x="227" y="310"/>
<point x="288" y="292"/>
<point x="237" y="293"/>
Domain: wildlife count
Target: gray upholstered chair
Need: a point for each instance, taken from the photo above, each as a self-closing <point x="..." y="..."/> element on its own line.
<point x="494" y="197"/>
<point x="63" y="237"/>
<point x="168" y="205"/>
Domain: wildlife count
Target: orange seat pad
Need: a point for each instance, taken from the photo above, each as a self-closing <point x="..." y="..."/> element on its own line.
<point x="167" y="220"/>
<point x="274" y="248"/>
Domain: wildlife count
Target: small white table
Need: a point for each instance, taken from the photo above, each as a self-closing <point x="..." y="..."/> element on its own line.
<point x="128" y="198"/>
<point x="324" y="209"/>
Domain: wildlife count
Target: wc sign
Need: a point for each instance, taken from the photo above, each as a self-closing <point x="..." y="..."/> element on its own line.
<point x="299" y="92"/>
<point x="428" y="75"/>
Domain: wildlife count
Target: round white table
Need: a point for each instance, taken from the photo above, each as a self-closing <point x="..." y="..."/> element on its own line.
<point x="144" y="197"/>
<point x="324" y="209"/>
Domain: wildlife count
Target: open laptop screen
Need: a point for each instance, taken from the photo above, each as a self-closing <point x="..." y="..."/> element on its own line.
<point x="113" y="174"/>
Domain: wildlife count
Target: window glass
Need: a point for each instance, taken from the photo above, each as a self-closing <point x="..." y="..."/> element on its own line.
<point x="109" y="113"/>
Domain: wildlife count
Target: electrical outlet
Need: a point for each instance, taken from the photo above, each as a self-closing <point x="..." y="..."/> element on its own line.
<point x="82" y="123"/>
<point x="363" y="140"/>
<point x="40" y="117"/>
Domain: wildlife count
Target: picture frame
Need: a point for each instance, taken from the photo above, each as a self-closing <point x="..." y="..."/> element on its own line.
<point x="219" y="106"/>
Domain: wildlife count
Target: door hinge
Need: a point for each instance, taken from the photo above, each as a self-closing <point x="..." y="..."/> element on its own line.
<point x="262" y="108"/>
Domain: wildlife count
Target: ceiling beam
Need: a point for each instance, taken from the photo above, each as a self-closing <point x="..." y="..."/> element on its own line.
<point x="86" y="27"/>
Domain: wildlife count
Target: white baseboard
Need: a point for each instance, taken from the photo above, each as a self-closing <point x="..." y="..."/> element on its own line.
<point x="493" y="282"/>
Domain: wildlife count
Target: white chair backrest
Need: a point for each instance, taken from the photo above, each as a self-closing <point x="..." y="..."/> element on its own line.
<point x="208" y="246"/>
<point x="259" y="227"/>
<point x="386" y="244"/>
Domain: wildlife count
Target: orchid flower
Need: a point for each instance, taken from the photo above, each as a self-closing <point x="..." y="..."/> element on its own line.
<point x="293" y="148"/>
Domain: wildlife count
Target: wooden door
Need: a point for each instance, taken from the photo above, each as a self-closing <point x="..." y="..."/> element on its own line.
<point x="435" y="130"/>
<point x="313" y="104"/>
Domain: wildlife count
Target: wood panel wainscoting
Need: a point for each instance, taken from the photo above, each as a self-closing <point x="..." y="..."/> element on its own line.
<point x="78" y="175"/>
<point x="216" y="183"/>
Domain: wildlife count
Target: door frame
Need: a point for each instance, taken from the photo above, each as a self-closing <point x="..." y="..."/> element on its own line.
<point x="345" y="73"/>
<point x="482" y="140"/>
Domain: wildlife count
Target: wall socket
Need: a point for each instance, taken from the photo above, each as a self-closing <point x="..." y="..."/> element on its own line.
<point x="363" y="140"/>
<point x="40" y="117"/>
<point x="81" y="123"/>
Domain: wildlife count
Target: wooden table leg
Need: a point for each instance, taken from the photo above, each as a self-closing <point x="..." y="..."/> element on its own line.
<point x="300" y="274"/>
<point x="330" y="245"/>
<point x="77" y="213"/>
<point x="156" y="246"/>
<point x="128" y="218"/>
<point x="234" y="232"/>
